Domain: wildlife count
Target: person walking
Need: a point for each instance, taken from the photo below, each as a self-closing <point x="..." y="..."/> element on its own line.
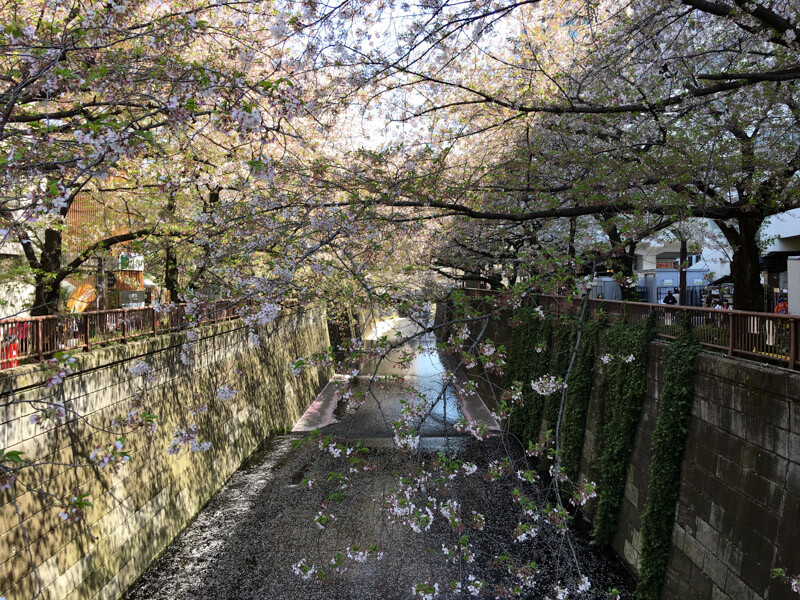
<point x="670" y="299"/>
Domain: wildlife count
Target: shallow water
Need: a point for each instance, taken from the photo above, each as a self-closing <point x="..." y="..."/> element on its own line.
<point x="423" y="374"/>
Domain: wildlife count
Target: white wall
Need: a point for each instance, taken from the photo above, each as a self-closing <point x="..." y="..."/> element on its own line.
<point x="794" y="285"/>
<point x="15" y="297"/>
<point x="711" y="259"/>
<point x="786" y="227"/>
<point x="15" y="300"/>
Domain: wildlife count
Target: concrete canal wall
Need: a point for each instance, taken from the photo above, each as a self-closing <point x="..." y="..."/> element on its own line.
<point x="738" y="515"/>
<point x="139" y="510"/>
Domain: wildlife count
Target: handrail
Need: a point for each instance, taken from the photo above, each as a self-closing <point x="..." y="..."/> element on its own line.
<point x="40" y="338"/>
<point x="81" y="314"/>
<point x="747" y="334"/>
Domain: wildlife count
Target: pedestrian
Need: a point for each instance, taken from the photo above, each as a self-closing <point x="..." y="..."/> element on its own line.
<point x="781" y="308"/>
<point x="670" y="299"/>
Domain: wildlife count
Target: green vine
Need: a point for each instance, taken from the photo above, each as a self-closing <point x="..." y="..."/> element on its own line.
<point x="579" y="391"/>
<point x="669" y="442"/>
<point x="626" y="386"/>
<point x="528" y="360"/>
<point x="563" y="344"/>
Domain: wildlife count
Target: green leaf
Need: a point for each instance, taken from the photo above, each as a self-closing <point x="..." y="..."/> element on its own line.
<point x="96" y="73"/>
<point x="14" y="456"/>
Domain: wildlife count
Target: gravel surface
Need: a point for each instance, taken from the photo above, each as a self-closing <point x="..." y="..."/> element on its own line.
<point x="244" y="544"/>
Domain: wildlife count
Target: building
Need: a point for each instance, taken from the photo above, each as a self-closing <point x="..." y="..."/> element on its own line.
<point x="658" y="271"/>
<point x="708" y="262"/>
<point x="116" y="281"/>
<point x="781" y="239"/>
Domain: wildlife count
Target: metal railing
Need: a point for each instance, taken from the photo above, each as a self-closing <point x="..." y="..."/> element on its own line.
<point x="753" y="335"/>
<point x="39" y="338"/>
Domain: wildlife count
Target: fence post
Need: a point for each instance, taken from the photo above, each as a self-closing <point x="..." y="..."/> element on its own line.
<point x="39" y="348"/>
<point x="124" y="326"/>
<point x="87" y="340"/>
<point x="155" y="322"/>
<point x="793" y="342"/>
<point x="730" y="334"/>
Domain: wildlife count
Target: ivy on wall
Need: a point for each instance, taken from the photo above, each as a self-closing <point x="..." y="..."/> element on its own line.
<point x="622" y="389"/>
<point x="669" y="441"/>
<point x="543" y="345"/>
<point x="563" y="344"/>
<point x="579" y="391"/>
<point x="528" y="360"/>
<point x="626" y="386"/>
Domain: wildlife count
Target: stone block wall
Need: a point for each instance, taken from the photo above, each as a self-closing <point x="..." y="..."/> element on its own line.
<point x="738" y="516"/>
<point x="139" y="510"/>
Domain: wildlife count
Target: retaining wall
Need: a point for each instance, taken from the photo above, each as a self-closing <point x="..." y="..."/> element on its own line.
<point x="738" y="515"/>
<point x="139" y="510"/>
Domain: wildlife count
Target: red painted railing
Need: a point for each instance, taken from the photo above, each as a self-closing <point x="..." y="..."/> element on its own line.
<point x="39" y="338"/>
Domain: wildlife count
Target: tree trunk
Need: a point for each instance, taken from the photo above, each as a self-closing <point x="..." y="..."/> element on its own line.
<point x="748" y="293"/>
<point x="171" y="259"/>
<point x="45" y="296"/>
<point x="682" y="274"/>
<point x="171" y="274"/>
<point x="573" y="230"/>
<point x="208" y="205"/>
<point x="625" y="260"/>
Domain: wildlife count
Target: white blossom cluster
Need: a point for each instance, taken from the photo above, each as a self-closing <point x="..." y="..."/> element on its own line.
<point x="607" y="358"/>
<point x="187" y="354"/>
<point x="303" y="570"/>
<point x="475" y="586"/>
<point x="226" y="392"/>
<point x="187" y="436"/>
<point x="548" y="384"/>
<point x="424" y="591"/>
<point x="265" y="314"/>
<point x="53" y="411"/>
<point x="139" y="368"/>
<point x="400" y="508"/>
<point x="477" y="429"/>
<point x="248" y="120"/>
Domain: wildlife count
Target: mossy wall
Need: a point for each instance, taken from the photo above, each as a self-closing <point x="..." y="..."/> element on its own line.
<point x="716" y="438"/>
<point x="139" y="510"/>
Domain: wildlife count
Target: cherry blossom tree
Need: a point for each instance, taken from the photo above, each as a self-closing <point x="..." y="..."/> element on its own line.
<point x="99" y="90"/>
<point x="534" y="141"/>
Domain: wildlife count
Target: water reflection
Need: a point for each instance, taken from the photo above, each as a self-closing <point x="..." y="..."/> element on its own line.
<point x="391" y="378"/>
